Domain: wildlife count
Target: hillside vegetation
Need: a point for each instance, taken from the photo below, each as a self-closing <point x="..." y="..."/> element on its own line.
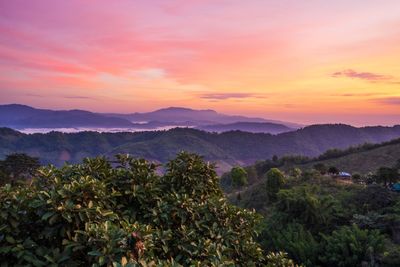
<point x="93" y="214"/>
<point x="227" y="149"/>
<point x="123" y="213"/>
<point x="364" y="161"/>
<point x="322" y="221"/>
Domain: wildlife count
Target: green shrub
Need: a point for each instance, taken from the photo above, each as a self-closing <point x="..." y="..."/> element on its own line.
<point x="239" y="176"/>
<point x="350" y="246"/>
<point x="275" y="179"/>
<point x="294" y="239"/>
<point x="93" y="214"/>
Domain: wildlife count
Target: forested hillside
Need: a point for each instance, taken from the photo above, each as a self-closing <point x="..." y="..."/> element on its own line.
<point x="321" y="219"/>
<point x="124" y="213"/>
<point x="361" y="159"/>
<point x="227" y="149"/>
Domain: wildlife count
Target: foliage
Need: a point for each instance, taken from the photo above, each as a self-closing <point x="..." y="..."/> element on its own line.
<point x="321" y="168"/>
<point x="295" y="172"/>
<point x="391" y="257"/>
<point x="356" y="177"/>
<point x="279" y="259"/>
<point x="298" y="242"/>
<point x="275" y="179"/>
<point x="333" y="170"/>
<point x="93" y="214"/>
<point x="239" y="176"/>
<point x="230" y="148"/>
<point x="16" y="167"/>
<point x="349" y="246"/>
<point x="302" y="205"/>
<point x="310" y="216"/>
<point x="387" y="175"/>
<point x="373" y="198"/>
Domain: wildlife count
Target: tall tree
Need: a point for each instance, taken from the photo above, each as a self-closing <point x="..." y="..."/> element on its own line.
<point x="321" y="168"/>
<point x="333" y="170"/>
<point x="18" y="166"/>
<point x="387" y="175"/>
<point x="275" y="179"/>
<point x="239" y="176"/>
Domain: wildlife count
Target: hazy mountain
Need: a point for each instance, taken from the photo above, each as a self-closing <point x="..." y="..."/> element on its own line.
<point x="252" y="127"/>
<point x="191" y="117"/>
<point x="228" y="149"/>
<point x="21" y="116"/>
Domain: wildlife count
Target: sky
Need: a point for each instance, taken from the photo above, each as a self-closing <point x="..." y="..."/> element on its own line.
<point x="299" y="60"/>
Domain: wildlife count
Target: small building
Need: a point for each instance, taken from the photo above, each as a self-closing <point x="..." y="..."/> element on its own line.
<point x="344" y="175"/>
<point x="396" y="187"/>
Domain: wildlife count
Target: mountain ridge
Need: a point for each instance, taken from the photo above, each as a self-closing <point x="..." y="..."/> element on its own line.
<point x="22" y="116"/>
<point x="227" y="149"/>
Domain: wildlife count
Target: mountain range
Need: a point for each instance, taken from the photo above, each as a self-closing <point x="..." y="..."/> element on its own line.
<point x="226" y="149"/>
<point x="25" y="117"/>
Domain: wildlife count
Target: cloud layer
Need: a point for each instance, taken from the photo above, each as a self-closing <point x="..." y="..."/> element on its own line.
<point x="369" y="76"/>
<point x="223" y="96"/>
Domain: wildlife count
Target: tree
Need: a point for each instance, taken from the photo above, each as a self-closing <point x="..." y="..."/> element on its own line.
<point x="279" y="259"/>
<point x="373" y="198"/>
<point x="303" y="205"/>
<point x="356" y="177"/>
<point x="397" y="165"/>
<point x="18" y="166"/>
<point x="95" y="214"/>
<point x="275" y="179"/>
<point x="387" y="175"/>
<point x="239" y="176"/>
<point x="294" y="239"/>
<point x="350" y="246"/>
<point x="333" y="170"/>
<point x="295" y="172"/>
<point x="321" y="168"/>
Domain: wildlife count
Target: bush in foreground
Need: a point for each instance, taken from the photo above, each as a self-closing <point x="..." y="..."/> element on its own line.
<point x="94" y="214"/>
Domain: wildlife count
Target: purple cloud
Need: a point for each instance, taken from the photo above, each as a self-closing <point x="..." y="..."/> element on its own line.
<point x="369" y="76"/>
<point x="388" y="100"/>
<point x="224" y="96"/>
<point x="76" y="97"/>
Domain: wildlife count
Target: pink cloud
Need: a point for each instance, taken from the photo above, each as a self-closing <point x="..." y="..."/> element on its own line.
<point x="369" y="76"/>
<point x="223" y="96"/>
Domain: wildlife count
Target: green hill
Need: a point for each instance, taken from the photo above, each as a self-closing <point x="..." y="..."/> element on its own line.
<point x="365" y="161"/>
<point x="226" y="149"/>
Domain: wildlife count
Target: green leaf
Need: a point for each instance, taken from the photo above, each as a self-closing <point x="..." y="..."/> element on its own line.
<point x="47" y="215"/>
<point x="10" y="239"/>
<point x="94" y="253"/>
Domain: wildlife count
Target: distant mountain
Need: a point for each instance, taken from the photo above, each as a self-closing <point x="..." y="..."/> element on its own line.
<point x="21" y="116"/>
<point x="252" y="127"/>
<point x="191" y="117"/>
<point x="227" y="149"/>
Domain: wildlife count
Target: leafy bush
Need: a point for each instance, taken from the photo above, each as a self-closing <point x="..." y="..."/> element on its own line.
<point x="279" y="259"/>
<point x="239" y="176"/>
<point x="94" y="214"/>
<point x="349" y="246"/>
<point x="275" y="180"/>
<point x="302" y="205"/>
<point x="17" y="167"/>
<point x="298" y="242"/>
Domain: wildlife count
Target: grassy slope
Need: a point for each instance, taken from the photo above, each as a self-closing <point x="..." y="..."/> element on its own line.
<point x="365" y="161"/>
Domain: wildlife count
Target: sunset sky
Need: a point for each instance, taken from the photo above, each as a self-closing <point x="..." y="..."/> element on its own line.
<point x="302" y="61"/>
